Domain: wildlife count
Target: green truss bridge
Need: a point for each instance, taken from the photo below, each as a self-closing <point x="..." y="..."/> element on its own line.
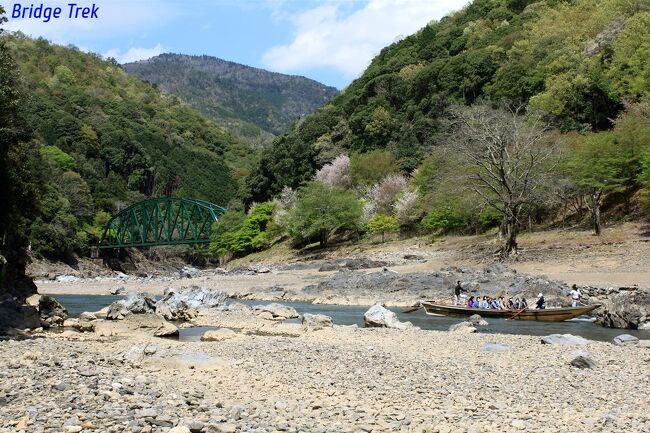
<point x="162" y="221"/>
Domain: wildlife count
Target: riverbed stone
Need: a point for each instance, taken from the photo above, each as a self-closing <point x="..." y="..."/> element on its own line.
<point x="166" y="330"/>
<point x="496" y="347"/>
<point x="278" y="310"/>
<point x="582" y="360"/>
<point x="314" y="322"/>
<point x="378" y="316"/>
<point x="462" y="328"/>
<point x="218" y="335"/>
<point x="625" y="340"/>
<point x="564" y="340"/>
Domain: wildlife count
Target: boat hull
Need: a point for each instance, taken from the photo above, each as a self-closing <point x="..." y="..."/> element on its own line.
<point x="546" y="315"/>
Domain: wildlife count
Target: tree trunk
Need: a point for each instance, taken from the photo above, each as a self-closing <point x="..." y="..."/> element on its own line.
<point x="595" y="211"/>
<point x="510" y="236"/>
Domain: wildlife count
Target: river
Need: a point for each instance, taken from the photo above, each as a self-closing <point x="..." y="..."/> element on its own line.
<point x="353" y="314"/>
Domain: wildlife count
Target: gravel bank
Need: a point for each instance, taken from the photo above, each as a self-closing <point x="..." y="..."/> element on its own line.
<point x="333" y="380"/>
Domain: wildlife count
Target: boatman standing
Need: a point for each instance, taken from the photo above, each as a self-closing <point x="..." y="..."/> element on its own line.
<point x="541" y="302"/>
<point x="575" y="295"/>
<point x="457" y="291"/>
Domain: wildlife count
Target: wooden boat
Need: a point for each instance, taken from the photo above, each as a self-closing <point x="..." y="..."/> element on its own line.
<point x="546" y="315"/>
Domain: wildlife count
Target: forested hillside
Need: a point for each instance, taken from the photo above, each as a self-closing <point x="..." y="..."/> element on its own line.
<point x="507" y="113"/>
<point x="100" y="139"/>
<point x="251" y="102"/>
<point x="577" y="61"/>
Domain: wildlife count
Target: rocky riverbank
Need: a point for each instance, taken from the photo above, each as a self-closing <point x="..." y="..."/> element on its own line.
<point x="355" y="281"/>
<point x="330" y="380"/>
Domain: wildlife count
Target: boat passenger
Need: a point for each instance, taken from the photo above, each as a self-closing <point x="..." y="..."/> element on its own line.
<point x="457" y="291"/>
<point x="510" y="305"/>
<point x="485" y="304"/>
<point x="523" y="303"/>
<point x="541" y="302"/>
<point x="502" y="304"/>
<point x="575" y="295"/>
<point x="477" y="303"/>
<point x="470" y="302"/>
<point x="495" y="304"/>
<point x="517" y="304"/>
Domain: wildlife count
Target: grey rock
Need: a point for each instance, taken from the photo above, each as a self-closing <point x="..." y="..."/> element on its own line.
<point x="166" y="330"/>
<point x="196" y="426"/>
<point x="379" y="317"/>
<point x="463" y="328"/>
<point x="87" y="317"/>
<point x="625" y="340"/>
<point x="582" y="360"/>
<point x="626" y="309"/>
<point x="134" y="303"/>
<point x="51" y="311"/>
<point x="278" y="311"/>
<point x="496" y="347"/>
<point x="477" y="320"/>
<point x="316" y="321"/>
<point x="219" y="335"/>
<point x="188" y="272"/>
<point x="118" y="291"/>
<point x="178" y="304"/>
<point x="564" y="340"/>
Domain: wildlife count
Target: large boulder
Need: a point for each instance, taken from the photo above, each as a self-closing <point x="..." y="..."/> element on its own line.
<point x="627" y="309"/>
<point x="134" y="303"/>
<point x="51" y="311"/>
<point x="181" y="304"/>
<point x="565" y="340"/>
<point x="278" y="311"/>
<point x="15" y="314"/>
<point x="379" y="317"/>
<point x="314" y="322"/>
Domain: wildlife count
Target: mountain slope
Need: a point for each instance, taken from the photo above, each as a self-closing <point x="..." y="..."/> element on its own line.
<point x="236" y="95"/>
<point x="106" y="139"/>
<point x="576" y="62"/>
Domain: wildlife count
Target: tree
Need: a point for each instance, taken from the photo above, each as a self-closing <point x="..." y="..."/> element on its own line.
<point x="320" y="211"/>
<point x="19" y="182"/>
<point x="336" y="173"/>
<point x="369" y="168"/>
<point x="510" y="160"/>
<point x="381" y="224"/>
<point x="610" y="161"/>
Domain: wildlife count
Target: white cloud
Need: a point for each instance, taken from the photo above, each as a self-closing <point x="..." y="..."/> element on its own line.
<point x="327" y="38"/>
<point x="134" y="53"/>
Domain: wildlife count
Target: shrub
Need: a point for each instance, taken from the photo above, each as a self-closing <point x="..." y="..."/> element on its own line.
<point x="320" y="211"/>
<point x="443" y="219"/>
<point x="382" y="224"/>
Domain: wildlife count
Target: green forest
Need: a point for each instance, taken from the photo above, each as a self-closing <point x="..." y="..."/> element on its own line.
<point x="554" y="94"/>
<point x="90" y="140"/>
<point x="503" y="115"/>
<point x="254" y="104"/>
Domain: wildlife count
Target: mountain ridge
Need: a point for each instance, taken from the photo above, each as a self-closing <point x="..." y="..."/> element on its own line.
<point x="240" y="96"/>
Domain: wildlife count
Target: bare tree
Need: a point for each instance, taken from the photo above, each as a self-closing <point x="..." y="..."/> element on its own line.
<point x="509" y="157"/>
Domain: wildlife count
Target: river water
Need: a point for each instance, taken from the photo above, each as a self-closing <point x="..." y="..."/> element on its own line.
<point x="353" y="314"/>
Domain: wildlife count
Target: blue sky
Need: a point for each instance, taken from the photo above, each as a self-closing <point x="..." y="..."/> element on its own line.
<point x="331" y="41"/>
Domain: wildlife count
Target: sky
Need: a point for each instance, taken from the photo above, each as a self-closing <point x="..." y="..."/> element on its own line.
<point x="331" y="41"/>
